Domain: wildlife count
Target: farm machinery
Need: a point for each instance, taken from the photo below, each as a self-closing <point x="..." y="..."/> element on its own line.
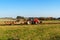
<point x="34" y="21"/>
<point x="28" y="21"/>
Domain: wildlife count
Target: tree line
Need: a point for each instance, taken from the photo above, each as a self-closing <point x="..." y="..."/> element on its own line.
<point x="40" y="18"/>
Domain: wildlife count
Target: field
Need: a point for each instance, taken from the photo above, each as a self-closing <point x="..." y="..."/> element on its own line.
<point x="30" y="32"/>
<point x="52" y="22"/>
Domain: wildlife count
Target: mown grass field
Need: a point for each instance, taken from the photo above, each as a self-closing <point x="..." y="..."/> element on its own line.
<point x="30" y="32"/>
<point x="52" y="21"/>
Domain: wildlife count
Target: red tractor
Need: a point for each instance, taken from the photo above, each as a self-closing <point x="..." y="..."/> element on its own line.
<point x="34" y="21"/>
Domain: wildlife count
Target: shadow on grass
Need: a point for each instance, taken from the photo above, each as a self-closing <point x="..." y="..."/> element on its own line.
<point x="55" y="37"/>
<point x="13" y="39"/>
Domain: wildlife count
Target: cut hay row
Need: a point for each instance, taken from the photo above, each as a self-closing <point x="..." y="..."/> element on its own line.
<point x="24" y="22"/>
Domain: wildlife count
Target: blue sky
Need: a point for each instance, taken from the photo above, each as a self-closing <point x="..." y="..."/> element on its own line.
<point x="27" y="8"/>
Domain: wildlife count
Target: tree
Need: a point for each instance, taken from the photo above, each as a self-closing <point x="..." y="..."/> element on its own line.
<point x="58" y="18"/>
<point x="19" y="17"/>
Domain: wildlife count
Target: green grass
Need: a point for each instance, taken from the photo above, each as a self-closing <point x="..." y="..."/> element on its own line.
<point x="30" y="32"/>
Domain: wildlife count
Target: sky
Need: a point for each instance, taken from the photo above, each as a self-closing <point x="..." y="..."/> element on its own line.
<point x="30" y="8"/>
